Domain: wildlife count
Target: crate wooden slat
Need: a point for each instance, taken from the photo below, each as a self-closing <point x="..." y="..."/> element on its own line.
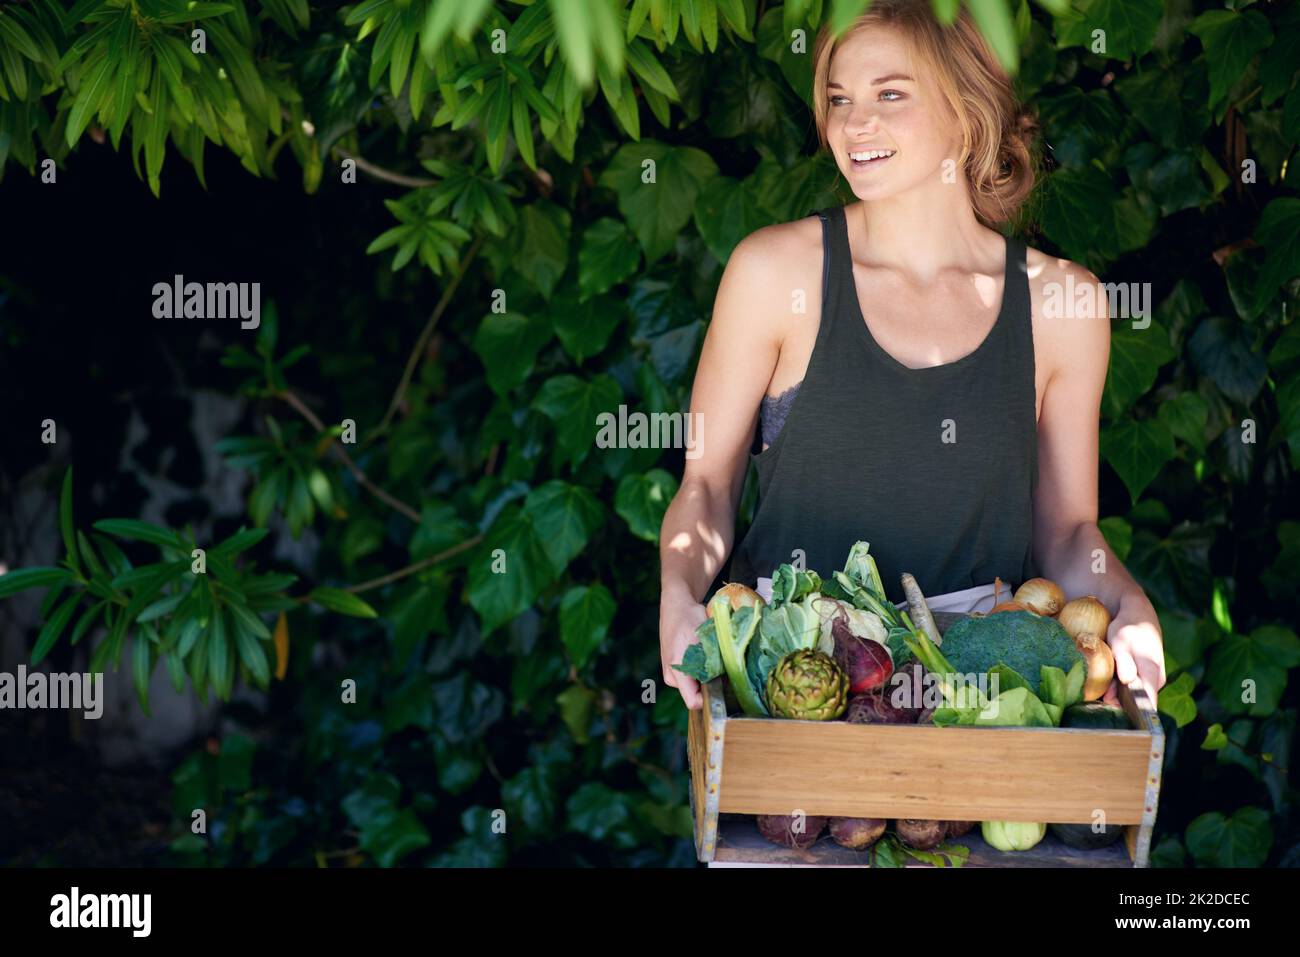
<point x="751" y="766"/>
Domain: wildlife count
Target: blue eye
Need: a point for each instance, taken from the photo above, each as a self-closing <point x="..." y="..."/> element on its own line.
<point x="834" y="98"/>
<point x="891" y="93"/>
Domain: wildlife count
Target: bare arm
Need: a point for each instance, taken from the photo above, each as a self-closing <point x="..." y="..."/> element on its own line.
<point x="739" y="355"/>
<point x="1068" y="545"/>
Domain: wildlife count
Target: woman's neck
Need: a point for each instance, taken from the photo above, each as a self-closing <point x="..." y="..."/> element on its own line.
<point x="921" y="232"/>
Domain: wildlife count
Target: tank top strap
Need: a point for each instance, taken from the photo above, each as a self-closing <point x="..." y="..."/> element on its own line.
<point x="837" y="274"/>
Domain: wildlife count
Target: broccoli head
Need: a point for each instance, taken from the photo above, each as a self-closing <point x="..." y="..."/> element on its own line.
<point x="1020" y="640"/>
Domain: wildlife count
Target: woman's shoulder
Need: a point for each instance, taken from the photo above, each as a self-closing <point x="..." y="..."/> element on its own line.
<point x="1069" y="308"/>
<point x="780" y="254"/>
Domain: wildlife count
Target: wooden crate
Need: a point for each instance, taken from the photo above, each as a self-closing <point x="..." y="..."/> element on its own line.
<point x="749" y="766"/>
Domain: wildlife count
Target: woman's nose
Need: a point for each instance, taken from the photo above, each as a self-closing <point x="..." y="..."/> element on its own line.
<point x="864" y="120"/>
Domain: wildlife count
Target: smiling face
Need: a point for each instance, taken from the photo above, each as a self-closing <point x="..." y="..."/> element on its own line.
<point x="886" y="122"/>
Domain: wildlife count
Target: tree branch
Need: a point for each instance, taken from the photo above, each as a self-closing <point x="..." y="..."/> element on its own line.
<point x="418" y="566"/>
<point x="378" y="172"/>
<point x="337" y="448"/>
<point x="413" y="359"/>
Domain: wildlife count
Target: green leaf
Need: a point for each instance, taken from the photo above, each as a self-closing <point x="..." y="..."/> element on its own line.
<point x="508" y="344"/>
<point x="1129" y="26"/>
<point x="1242" y="840"/>
<point x="88" y="98"/>
<point x="565" y="517"/>
<point x="727" y="211"/>
<point x="1186" y="416"/>
<point x="220" y="669"/>
<point x="1215" y="739"/>
<point x="1136" y="355"/>
<point x="1221" y="350"/>
<point x="53" y="628"/>
<point x="343" y="602"/>
<point x="608" y="255"/>
<point x="140" y="531"/>
<point x="642" y="500"/>
<point x="585" y="614"/>
<point x="1118" y="534"/>
<point x="1231" y="39"/>
<point x="1175" y="699"/>
<point x="574" y="405"/>
<point x="584" y="328"/>
<point x="250" y="649"/>
<point x="1137" y="450"/>
<point x="994" y="21"/>
<point x="1072" y="208"/>
<point x="242" y="540"/>
<point x="543" y="250"/>
<point x="657" y="186"/>
<point x="21" y="579"/>
<point x="509" y="569"/>
<point x="142" y="663"/>
<point x="65" y="518"/>
<point x="1252" y="665"/>
<point x="576" y="704"/>
<point x="1279" y="233"/>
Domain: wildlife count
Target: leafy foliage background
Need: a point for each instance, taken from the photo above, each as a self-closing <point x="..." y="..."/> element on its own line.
<point x="509" y="141"/>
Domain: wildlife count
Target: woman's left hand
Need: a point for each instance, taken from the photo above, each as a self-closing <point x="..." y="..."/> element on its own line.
<point x="1135" y="641"/>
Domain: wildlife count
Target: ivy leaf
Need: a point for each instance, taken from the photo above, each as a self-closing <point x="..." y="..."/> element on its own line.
<point x="565" y="517"/>
<point x="1073" y="206"/>
<point x="608" y="255"/>
<point x="574" y="405"/>
<point x="584" y="327"/>
<point x="508" y="343"/>
<point x="1136" y="355"/>
<point x="1186" y="416"/>
<point x="1288" y="403"/>
<point x="1175" y="699"/>
<point x="585" y="614"/>
<point x="1279" y="233"/>
<point x="509" y="570"/>
<point x="1129" y="26"/>
<point x="1174" y="569"/>
<point x="659" y="208"/>
<point x="726" y="212"/>
<point x="1215" y="739"/>
<point x="1221" y="350"/>
<point x="1231" y="38"/>
<point x="1137" y="450"/>
<point x="1242" y="840"/>
<point x="542" y="253"/>
<point x="1118" y="534"/>
<point x="642" y="500"/>
<point x="1252" y="664"/>
<point x="576" y="704"/>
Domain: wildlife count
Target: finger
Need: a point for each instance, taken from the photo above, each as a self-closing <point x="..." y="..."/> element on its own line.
<point x="690" y="692"/>
<point x="671" y="676"/>
<point x="1148" y="673"/>
<point x="1111" y="697"/>
<point x="1125" y="667"/>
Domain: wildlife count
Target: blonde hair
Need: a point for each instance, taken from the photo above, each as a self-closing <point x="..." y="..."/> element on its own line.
<point x="998" y="135"/>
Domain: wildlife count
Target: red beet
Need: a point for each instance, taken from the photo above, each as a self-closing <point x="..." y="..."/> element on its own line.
<point x="779" y="829"/>
<point x="866" y="662"/>
<point x="960" y="828"/>
<point x="906" y="689"/>
<point x="922" y="835"/>
<point x="874" y="708"/>
<point x="857" y="832"/>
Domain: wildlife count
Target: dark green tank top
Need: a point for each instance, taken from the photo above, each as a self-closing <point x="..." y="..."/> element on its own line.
<point x="935" y="467"/>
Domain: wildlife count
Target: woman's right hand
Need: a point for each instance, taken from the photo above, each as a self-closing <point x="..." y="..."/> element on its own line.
<point x="678" y="619"/>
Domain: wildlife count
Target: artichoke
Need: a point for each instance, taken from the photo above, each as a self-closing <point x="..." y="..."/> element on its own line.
<point x="807" y="684"/>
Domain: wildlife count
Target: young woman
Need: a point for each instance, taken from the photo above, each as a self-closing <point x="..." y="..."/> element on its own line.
<point x="911" y="388"/>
